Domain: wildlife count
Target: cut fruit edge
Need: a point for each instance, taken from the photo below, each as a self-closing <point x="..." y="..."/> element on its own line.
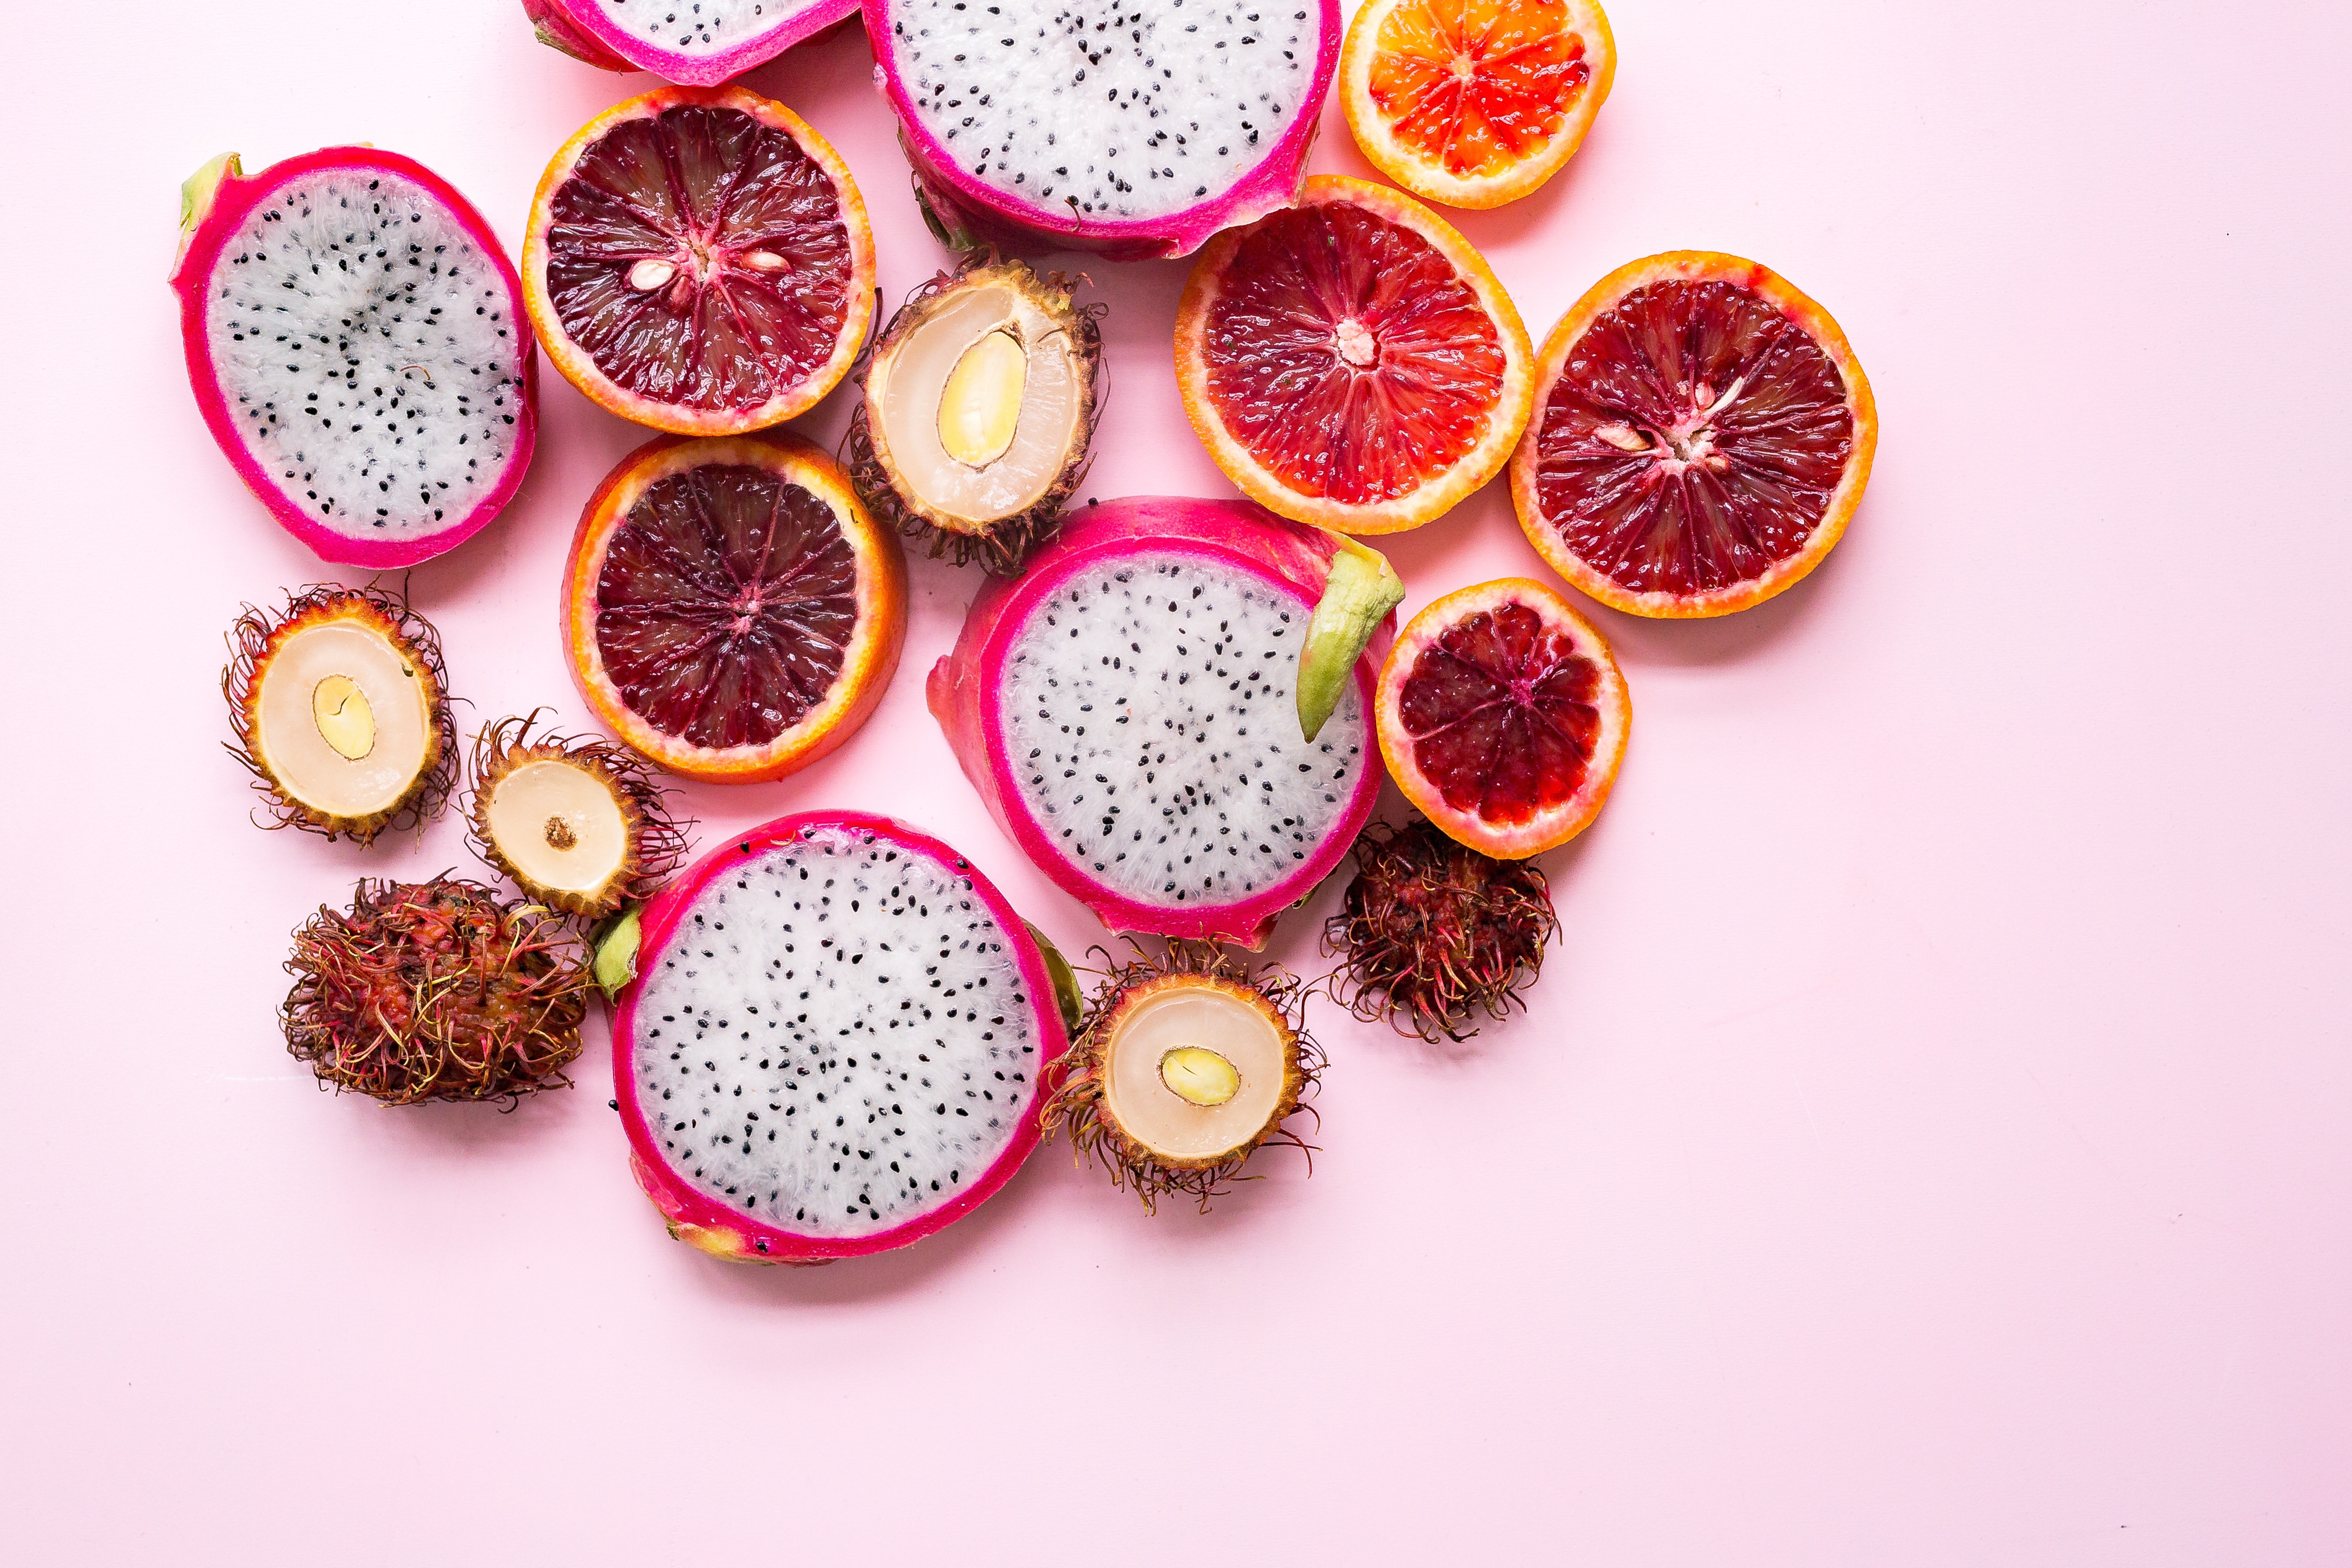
<point x="866" y="664"/>
<point x="967" y="713"/>
<point x="1435" y="497"/>
<point x="1429" y="181"/>
<point x="1017" y="223"/>
<point x="700" y="1220"/>
<point x="588" y="33"/>
<point x="214" y="203"/>
<point x="1696" y="266"/>
<point x="1545" y="830"/>
<point x="583" y="371"/>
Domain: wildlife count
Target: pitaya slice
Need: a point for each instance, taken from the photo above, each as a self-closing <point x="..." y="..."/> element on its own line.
<point x="1137" y="130"/>
<point x="695" y="43"/>
<point x="356" y="339"/>
<point x="836" y="1042"/>
<point x="1128" y="710"/>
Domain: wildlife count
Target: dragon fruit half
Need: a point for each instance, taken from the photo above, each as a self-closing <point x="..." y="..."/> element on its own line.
<point x="1138" y="130"/>
<point x="1128" y="709"/>
<point x="695" y="43"/>
<point x="836" y="1042"/>
<point x="356" y="339"/>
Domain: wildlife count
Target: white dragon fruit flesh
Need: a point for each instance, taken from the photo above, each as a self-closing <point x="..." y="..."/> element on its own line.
<point x="835" y="1043"/>
<point x="1138" y="128"/>
<point x="695" y="43"/>
<point x="356" y="340"/>
<point x="1128" y="710"/>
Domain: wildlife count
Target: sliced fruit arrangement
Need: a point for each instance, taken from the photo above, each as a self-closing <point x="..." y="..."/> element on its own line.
<point x="1703" y="434"/>
<point x="979" y="411"/>
<point x="1433" y="933"/>
<point x="577" y="824"/>
<point x="436" y="990"/>
<point x="835" y="1045"/>
<point x="342" y="711"/>
<point x="1127" y="709"/>
<point x="700" y="43"/>
<point x="1137" y="133"/>
<point x="1183" y="1068"/>
<point x="698" y="260"/>
<point x="1351" y="361"/>
<point x="356" y="339"/>
<point x="1503" y="718"/>
<point x="731" y="611"/>
<point x="1475" y="103"/>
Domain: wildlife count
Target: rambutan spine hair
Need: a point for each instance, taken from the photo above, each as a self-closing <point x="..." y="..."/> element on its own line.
<point x="657" y="840"/>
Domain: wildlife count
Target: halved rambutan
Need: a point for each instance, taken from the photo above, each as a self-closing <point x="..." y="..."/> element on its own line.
<point x="1434" y="933"/>
<point x="342" y="711"/>
<point x="436" y="990"/>
<point x="979" y="412"/>
<point x="574" y="822"/>
<point x="1183" y="1068"/>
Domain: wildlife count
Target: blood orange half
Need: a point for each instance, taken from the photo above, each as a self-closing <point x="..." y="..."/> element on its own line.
<point x="1351" y="361"/>
<point x="698" y="260"/>
<point x="731" y="611"/>
<point x="1502" y="717"/>
<point x="1475" y="103"/>
<point x="1702" y="435"/>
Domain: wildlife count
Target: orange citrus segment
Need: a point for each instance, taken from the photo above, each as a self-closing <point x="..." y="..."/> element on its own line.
<point x="1475" y="103"/>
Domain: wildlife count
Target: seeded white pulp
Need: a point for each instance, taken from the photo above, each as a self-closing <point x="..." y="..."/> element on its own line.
<point x="365" y="347"/>
<point x="692" y="26"/>
<point x="1150" y="713"/>
<point x="837" y="1037"/>
<point x="1122" y="110"/>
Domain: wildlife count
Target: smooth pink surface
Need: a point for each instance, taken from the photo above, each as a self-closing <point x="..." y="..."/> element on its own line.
<point x="965" y="692"/>
<point x="1932" y="1143"/>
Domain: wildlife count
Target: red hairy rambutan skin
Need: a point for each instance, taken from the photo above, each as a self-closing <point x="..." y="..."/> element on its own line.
<point x="436" y="991"/>
<point x="1433" y="933"/>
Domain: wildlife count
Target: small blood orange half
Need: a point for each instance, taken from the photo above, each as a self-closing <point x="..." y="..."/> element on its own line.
<point x="1502" y="717"/>
<point x="731" y="611"/>
<point x="698" y="260"/>
<point x="1351" y="361"/>
<point x="1702" y="434"/>
<point x="1475" y="103"/>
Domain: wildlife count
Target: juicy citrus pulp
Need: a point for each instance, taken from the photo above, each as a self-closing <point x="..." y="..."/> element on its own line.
<point x="699" y="261"/>
<point x="733" y="611"/>
<point x="1502" y="717"/>
<point x="1351" y="361"/>
<point x="1702" y="436"/>
<point x="1475" y="103"/>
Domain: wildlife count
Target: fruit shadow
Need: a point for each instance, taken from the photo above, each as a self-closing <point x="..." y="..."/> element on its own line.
<point x="1723" y="639"/>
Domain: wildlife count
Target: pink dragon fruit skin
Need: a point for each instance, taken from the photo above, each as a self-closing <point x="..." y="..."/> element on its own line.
<point x="587" y="31"/>
<point x="906" y="1129"/>
<point x="965" y="686"/>
<point x="959" y="200"/>
<point x="220" y="207"/>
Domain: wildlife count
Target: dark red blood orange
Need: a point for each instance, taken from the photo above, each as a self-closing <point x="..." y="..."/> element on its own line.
<point x="698" y="260"/>
<point x="1702" y="432"/>
<point x="1351" y="361"/>
<point x="731" y="611"/>
<point x="1502" y="717"/>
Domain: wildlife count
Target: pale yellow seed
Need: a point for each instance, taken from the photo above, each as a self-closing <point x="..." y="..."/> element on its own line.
<point x="346" y="721"/>
<point x="980" y="408"/>
<point x="1200" y="1076"/>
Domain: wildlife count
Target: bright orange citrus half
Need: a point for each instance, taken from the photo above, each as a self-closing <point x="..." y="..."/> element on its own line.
<point x="698" y="260"/>
<point x="1475" y="103"/>
<point x="1502" y="717"/>
<point x="1702" y="435"/>
<point x="731" y="611"/>
<point x="1351" y="361"/>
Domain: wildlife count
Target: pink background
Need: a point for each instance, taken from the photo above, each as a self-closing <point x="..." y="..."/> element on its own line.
<point x="1929" y="1145"/>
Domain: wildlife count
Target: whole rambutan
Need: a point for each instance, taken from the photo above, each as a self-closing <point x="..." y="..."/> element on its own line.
<point x="436" y="991"/>
<point x="1433" y="933"/>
